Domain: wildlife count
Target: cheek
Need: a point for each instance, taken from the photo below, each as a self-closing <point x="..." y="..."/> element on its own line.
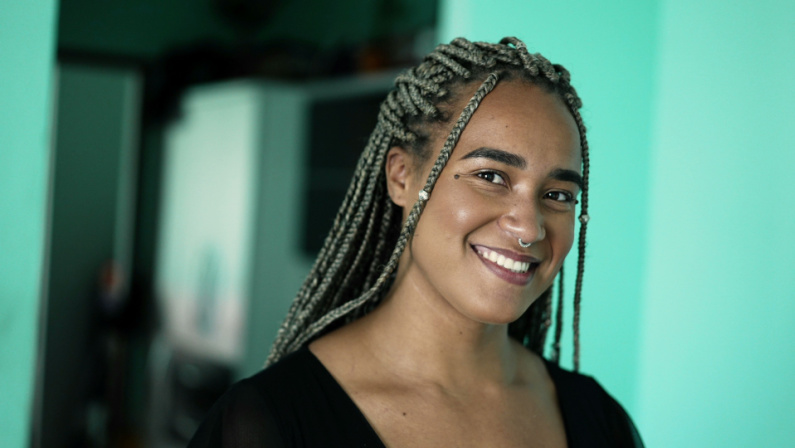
<point x="456" y="212"/>
<point x="562" y="236"/>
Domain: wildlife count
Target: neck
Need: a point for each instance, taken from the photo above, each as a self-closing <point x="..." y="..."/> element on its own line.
<point x="424" y="337"/>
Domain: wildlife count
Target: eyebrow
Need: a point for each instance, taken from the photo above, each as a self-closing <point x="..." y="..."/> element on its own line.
<point x="498" y="155"/>
<point x="517" y="161"/>
<point x="567" y="176"/>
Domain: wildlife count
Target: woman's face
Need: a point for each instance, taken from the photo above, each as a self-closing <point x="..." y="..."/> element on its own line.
<point x="515" y="173"/>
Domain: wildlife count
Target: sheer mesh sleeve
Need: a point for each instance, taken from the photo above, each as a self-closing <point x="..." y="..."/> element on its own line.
<point x="293" y="403"/>
<point x="623" y="430"/>
<point x="593" y="418"/>
<point x="241" y="419"/>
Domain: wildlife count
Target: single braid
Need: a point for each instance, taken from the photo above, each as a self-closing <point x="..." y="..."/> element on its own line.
<point x="584" y="218"/>
<point x="455" y="134"/>
<point x="355" y="265"/>
<point x="558" y="319"/>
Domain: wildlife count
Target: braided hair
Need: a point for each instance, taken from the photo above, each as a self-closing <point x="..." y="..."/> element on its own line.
<point x="358" y="260"/>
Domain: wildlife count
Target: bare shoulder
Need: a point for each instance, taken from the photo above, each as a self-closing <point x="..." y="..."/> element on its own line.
<point x="533" y="370"/>
<point x="341" y="349"/>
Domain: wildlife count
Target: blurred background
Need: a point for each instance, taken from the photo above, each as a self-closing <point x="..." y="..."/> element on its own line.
<point x="169" y="169"/>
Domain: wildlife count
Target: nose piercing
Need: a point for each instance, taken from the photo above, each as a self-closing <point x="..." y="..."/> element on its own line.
<point x="523" y="244"/>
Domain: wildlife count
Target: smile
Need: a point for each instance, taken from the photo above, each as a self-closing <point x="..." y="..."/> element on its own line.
<point x="512" y="265"/>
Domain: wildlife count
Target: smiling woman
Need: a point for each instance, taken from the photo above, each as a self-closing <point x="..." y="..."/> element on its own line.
<point x="424" y="319"/>
<point x="506" y="191"/>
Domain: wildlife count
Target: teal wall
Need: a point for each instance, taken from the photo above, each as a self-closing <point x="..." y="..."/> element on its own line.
<point x="689" y="311"/>
<point x="719" y="318"/>
<point x="609" y="49"/>
<point x="26" y="61"/>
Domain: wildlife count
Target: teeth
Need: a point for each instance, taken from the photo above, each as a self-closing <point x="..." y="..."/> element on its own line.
<point x="502" y="260"/>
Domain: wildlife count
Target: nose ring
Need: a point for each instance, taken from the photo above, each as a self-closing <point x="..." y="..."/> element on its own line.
<point x="523" y="244"/>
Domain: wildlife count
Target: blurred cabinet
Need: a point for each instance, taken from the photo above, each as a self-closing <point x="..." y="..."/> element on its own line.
<point x="254" y="172"/>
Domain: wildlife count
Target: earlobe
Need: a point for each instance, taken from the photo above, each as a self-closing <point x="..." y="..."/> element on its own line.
<point x="398" y="169"/>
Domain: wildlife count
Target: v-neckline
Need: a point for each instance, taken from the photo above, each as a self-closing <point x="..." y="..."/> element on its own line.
<point x="343" y="395"/>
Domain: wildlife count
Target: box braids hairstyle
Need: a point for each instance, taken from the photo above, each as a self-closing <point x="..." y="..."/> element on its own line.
<point x="357" y="262"/>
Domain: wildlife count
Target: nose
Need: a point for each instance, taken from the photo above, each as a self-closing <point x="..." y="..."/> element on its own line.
<point x="523" y="220"/>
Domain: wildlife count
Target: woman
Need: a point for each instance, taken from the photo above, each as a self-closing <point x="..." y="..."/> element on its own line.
<point x="429" y="332"/>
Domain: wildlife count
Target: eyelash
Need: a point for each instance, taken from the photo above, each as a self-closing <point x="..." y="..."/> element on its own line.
<point x="483" y="175"/>
<point x="567" y="197"/>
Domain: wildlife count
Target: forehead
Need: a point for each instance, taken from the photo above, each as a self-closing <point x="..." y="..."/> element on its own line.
<point x="525" y="119"/>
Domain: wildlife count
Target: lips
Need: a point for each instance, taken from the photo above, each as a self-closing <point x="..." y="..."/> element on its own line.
<point x="509" y="266"/>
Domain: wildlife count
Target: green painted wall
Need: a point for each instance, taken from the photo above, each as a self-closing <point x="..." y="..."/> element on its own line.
<point x="609" y="49"/>
<point x="719" y="320"/>
<point x="26" y="61"/>
<point x="690" y="308"/>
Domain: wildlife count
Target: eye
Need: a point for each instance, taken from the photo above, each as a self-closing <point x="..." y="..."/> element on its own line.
<point x="493" y="177"/>
<point x="560" y="196"/>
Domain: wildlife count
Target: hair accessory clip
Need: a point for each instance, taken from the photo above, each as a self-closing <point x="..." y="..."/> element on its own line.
<point x="424" y="195"/>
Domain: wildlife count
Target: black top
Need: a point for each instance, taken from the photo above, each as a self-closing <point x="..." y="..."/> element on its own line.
<point x="297" y="403"/>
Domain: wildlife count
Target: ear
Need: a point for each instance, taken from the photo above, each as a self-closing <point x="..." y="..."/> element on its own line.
<point x="398" y="175"/>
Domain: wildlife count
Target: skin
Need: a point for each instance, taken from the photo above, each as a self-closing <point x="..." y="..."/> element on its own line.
<point x="433" y="364"/>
